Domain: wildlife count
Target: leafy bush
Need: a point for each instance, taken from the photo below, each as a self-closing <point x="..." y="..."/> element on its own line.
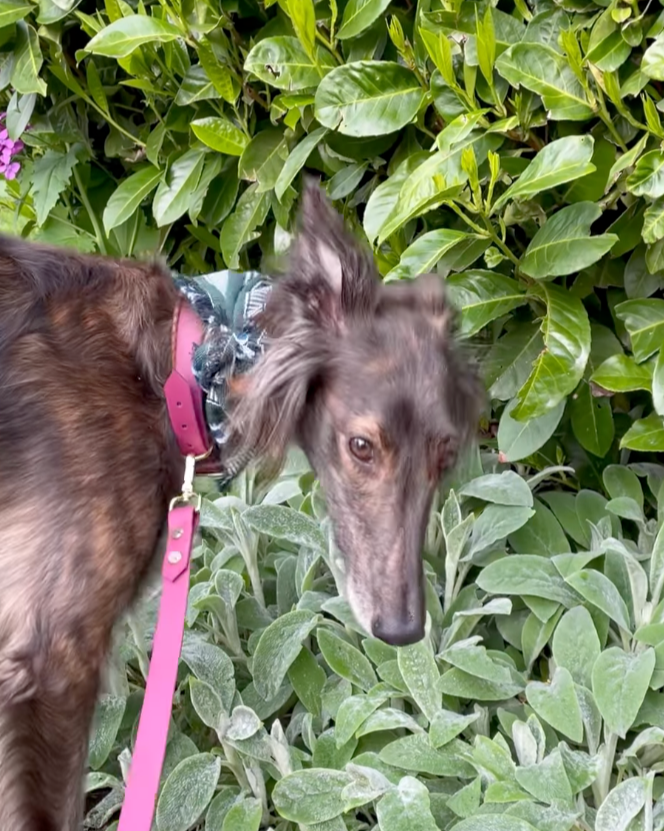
<point x="518" y="152"/>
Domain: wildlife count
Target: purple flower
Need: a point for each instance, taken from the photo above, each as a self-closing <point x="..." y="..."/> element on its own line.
<point x="8" y="149"/>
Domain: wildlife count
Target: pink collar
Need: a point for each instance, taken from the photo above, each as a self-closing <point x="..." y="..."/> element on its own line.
<point x="184" y="398"/>
<point x="184" y="401"/>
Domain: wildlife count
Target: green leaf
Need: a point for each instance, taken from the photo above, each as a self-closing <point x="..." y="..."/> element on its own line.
<point x="12" y="11"/>
<point x="447" y="725"/>
<point x="368" y="98"/>
<point x="510" y="360"/>
<point x="347" y="661"/>
<point x="175" y="191"/>
<point x="211" y="665"/>
<point x="519" y="439"/>
<point x="621" y="373"/>
<point x="620" y="683"/>
<point x="648" y="176"/>
<point x="496" y="522"/>
<point x="303" y="17"/>
<point x="507" y="488"/>
<point x="545" y="71"/>
<point x="187" y="792"/>
<point x="28" y="60"/>
<point x="283" y="62"/>
<point x="207" y="703"/>
<point x="108" y="717"/>
<point x="297" y="159"/>
<point x="50" y="176"/>
<point x="658" y="384"/>
<point x="482" y="296"/>
<point x="460" y="684"/>
<point x="646" y="435"/>
<point x="576" y="645"/>
<point x="121" y="38"/>
<point x="129" y="195"/>
<point x="420" y="673"/>
<point x="240" y="227"/>
<point x="422" y="255"/>
<point x="526" y="574"/>
<point x="311" y="796"/>
<point x="284" y="523"/>
<point x="406" y="807"/>
<point x="557" y="704"/>
<point x="243" y="816"/>
<point x="220" y="135"/>
<point x="653" y="221"/>
<point x="541" y="535"/>
<point x="278" y="647"/>
<point x="622" y="805"/>
<point x="592" y="421"/>
<point x="415" y="753"/>
<point x="644" y="320"/>
<point x="493" y="822"/>
<point x="563" y="160"/>
<point x="652" y="64"/>
<point x="359" y="15"/>
<point x="308" y="680"/>
<point x="436" y="179"/>
<point x="563" y="245"/>
<point x="602" y="593"/>
<point x="263" y="159"/>
<point x="547" y="780"/>
<point x="560" y="367"/>
<point x="354" y="711"/>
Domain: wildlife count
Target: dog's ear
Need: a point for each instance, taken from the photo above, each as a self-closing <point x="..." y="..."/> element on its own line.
<point x="330" y="272"/>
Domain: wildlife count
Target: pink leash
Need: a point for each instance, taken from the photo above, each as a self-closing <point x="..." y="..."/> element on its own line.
<point x="184" y="401"/>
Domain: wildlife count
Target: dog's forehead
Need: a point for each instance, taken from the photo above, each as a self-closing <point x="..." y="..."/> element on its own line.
<point x="402" y="381"/>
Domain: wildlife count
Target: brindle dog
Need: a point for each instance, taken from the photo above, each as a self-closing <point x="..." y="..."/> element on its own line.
<point x="365" y="377"/>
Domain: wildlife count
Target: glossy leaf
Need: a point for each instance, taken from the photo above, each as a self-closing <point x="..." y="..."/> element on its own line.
<point x="563" y="245"/>
<point x="129" y="194"/>
<point x="482" y="296"/>
<point x="644" y="320"/>
<point x="359" y="15"/>
<point x="561" y="161"/>
<point x="519" y="439"/>
<point x="422" y="255"/>
<point x="646" y="434"/>
<point x="283" y="62"/>
<point x="220" y="135"/>
<point x="123" y="36"/>
<point x="560" y="367"/>
<point x="543" y="70"/>
<point x="368" y="98"/>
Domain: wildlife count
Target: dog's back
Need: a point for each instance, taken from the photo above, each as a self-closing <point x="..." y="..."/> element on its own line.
<point x="86" y="467"/>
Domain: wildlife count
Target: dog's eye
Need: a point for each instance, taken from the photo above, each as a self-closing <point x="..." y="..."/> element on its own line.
<point x="361" y="448"/>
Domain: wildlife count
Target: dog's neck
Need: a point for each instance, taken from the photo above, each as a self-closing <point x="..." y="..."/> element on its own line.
<point x="228" y="303"/>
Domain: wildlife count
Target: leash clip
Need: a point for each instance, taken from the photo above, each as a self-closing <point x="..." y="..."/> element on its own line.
<point x="188" y="495"/>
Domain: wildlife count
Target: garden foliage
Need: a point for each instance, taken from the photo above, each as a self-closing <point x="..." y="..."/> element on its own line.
<point x="516" y="149"/>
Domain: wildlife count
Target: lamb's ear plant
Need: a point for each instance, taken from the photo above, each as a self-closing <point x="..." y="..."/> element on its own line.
<point x="515" y="150"/>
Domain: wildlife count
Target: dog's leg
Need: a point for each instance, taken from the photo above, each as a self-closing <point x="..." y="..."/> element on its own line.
<point x="43" y="749"/>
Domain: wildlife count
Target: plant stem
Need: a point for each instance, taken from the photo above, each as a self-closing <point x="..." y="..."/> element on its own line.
<point x="484" y="232"/>
<point x="99" y="234"/>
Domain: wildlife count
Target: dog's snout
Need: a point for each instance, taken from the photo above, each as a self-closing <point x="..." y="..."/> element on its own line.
<point x="399" y="631"/>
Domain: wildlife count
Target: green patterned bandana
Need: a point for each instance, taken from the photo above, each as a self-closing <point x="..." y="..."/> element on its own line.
<point x="228" y="303"/>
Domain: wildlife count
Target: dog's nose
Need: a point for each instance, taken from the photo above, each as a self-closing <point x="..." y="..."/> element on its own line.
<point x="398" y="632"/>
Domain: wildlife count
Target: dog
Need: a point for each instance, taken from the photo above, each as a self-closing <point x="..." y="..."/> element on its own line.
<point x="366" y="377"/>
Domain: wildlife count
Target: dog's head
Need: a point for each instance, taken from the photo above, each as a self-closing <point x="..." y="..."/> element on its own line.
<point x="367" y="379"/>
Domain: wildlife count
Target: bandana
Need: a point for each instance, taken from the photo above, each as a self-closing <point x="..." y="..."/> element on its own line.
<point x="228" y="303"/>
